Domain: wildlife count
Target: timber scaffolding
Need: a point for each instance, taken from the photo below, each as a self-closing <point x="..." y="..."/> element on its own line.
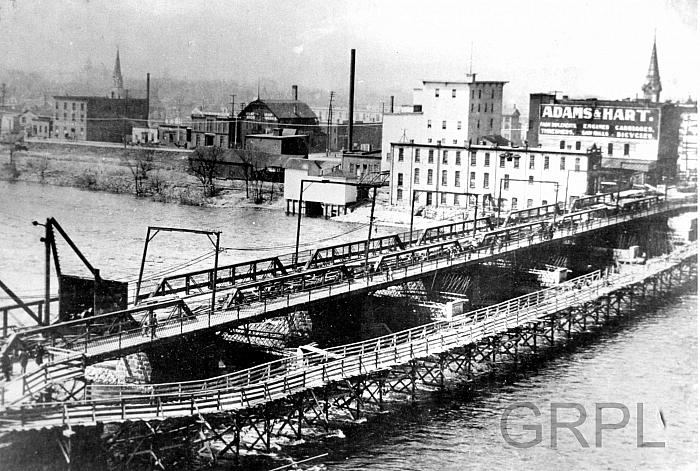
<point x="327" y="274"/>
<point x="280" y="398"/>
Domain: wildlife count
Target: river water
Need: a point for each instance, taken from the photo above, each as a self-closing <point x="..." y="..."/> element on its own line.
<point x="110" y="230"/>
<point x="652" y="361"/>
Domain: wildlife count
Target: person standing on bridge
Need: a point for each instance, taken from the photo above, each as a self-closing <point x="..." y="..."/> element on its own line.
<point x="40" y="352"/>
<point x="7" y="367"/>
<point x="23" y="360"/>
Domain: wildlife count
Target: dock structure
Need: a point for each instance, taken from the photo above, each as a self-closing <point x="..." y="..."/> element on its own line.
<point x="286" y="394"/>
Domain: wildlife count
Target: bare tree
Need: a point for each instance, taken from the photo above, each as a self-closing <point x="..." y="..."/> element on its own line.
<point x="204" y="163"/>
<point x="140" y="162"/>
<point x="255" y="173"/>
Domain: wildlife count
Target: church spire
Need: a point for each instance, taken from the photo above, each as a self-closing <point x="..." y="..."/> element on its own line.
<point x="118" y="81"/>
<point x="652" y="86"/>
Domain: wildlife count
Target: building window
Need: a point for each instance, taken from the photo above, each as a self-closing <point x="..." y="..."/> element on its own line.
<point x="416" y="176"/>
<point x="444" y="178"/>
<point x="399" y="194"/>
<point x="430" y="139"/>
<point x="514" y="203"/>
<point x="399" y="179"/>
<point x="82" y="107"/>
<point x="472" y="158"/>
<point x="493" y="91"/>
<point x="502" y="162"/>
<point x="491" y="107"/>
<point x="472" y="95"/>
<point x="444" y="125"/>
<point x="437" y="92"/>
<point x="562" y="163"/>
<point x="459" y="125"/>
<point x="454" y="142"/>
<point x="506" y="181"/>
<point x="544" y="202"/>
<point x="472" y="179"/>
<point x="430" y="156"/>
<point x="456" y="200"/>
<point x="430" y="176"/>
<point x="457" y="178"/>
<point x="429" y="198"/>
<point x="444" y="157"/>
<point x="577" y="164"/>
<point x="443" y="198"/>
<point x="610" y="149"/>
<point x="472" y="107"/>
<point x="578" y="145"/>
<point x="562" y="144"/>
<point x="486" y="181"/>
<point x="454" y="93"/>
<point x="516" y="162"/>
<point x="491" y="123"/>
<point x="530" y="180"/>
<point x="400" y="154"/>
<point x="546" y="162"/>
<point x="416" y="156"/>
<point x="479" y="94"/>
<point x="458" y="158"/>
<point x="478" y="108"/>
<point x="626" y="150"/>
<point x="478" y="123"/>
<point x="487" y="159"/>
<point x="65" y="105"/>
<point x="529" y="202"/>
<point x="430" y="123"/>
<point x="73" y="106"/>
<point x="531" y="166"/>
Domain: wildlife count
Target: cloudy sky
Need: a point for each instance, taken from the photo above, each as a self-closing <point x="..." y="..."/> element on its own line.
<point x="583" y="48"/>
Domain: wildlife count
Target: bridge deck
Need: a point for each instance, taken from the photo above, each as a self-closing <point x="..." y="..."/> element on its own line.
<point x="283" y="378"/>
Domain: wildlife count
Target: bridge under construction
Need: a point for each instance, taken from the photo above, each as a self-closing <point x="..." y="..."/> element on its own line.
<point x="157" y="423"/>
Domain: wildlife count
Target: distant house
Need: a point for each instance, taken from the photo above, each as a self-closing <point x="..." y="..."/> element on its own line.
<point x="34" y="125"/>
<point x="263" y="116"/>
<point x="213" y="129"/>
<point x="10" y="123"/>
<point x="330" y="197"/>
<point x="174" y="135"/>
<point x="96" y="118"/>
<point x="278" y="143"/>
<point x="144" y="135"/>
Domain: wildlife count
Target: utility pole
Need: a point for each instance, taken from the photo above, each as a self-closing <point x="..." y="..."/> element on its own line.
<point x="235" y="122"/>
<point x="329" y="123"/>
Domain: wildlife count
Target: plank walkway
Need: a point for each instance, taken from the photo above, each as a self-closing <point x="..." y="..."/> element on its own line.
<point x="284" y="378"/>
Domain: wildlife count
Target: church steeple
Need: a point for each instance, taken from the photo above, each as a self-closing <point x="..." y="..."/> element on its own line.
<point x="652" y="86"/>
<point x="118" y="81"/>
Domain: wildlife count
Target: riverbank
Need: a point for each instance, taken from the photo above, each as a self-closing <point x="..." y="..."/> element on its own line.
<point x="111" y="169"/>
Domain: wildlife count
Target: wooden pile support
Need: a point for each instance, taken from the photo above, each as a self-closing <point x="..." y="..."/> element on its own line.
<point x="211" y="437"/>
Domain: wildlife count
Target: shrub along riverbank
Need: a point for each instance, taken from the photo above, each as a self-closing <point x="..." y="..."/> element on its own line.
<point x="161" y="175"/>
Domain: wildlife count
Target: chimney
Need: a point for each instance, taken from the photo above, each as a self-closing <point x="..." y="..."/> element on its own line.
<point x="351" y="104"/>
<point x="391" y="107"/>
<point x="148" y="97"/>
<point x="295" y="92"/>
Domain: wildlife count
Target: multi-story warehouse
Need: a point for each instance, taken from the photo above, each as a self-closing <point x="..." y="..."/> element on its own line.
<point x="455" y="176"/>
<point x="92" y="118"/>
<point x="451" y="113"/>
<point x="213" y="129"/>
<point x="639" y="134"/>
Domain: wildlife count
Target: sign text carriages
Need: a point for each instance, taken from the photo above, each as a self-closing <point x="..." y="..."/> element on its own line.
<point x="601" y="121"/>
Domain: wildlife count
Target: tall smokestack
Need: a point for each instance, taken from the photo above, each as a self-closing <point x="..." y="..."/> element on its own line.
<point x="351" y="105"/>
<point x="295" y="92"/>
<point x="391" y="107"/>
<point x="148" y="97"/>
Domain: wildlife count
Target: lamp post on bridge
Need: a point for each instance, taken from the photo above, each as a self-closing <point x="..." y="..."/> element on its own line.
<point x="332" y="182"/>
<point x="500" y="186"/>
<point x="413" y="204"/>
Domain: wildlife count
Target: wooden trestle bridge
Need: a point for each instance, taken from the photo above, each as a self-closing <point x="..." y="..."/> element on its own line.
<point x="283" y="395"/>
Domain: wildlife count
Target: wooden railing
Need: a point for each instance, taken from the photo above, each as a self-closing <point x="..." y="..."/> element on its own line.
<point x="279" y="379"/>
<point x="121" y="338"/>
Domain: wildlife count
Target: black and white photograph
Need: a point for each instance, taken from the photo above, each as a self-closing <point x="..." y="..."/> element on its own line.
<point x="339" y="235"/>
